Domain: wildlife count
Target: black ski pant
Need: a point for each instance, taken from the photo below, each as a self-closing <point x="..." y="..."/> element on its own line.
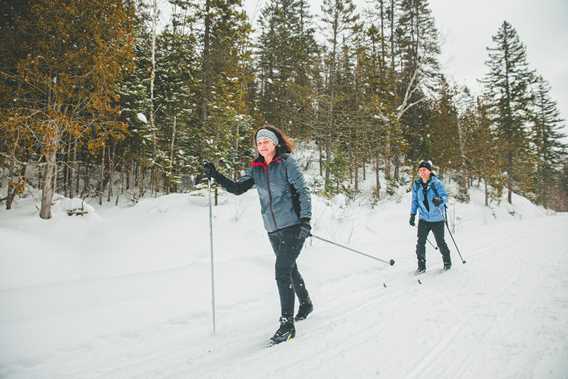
<point x="287" y="247"/>
<point x="424" y="227"/>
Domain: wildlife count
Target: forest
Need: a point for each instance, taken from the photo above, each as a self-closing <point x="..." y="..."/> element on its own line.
<point x="100" y="101"/>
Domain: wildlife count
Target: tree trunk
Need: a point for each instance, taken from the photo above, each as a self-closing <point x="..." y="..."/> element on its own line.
<point x="387" y="153"/>
<point x="153" y="174"/>
<point x="378" y="178"/>
<point x="141" y="181"/>
<point x="75" y="170"/>
<point x="11" y="174"/>
<point x="510" y="178"/>
<point x="172" y="147"/>
<point x="396" y="168"/>
<point x="86" y="181"/>
<point x="102" y="177"/>
<point x="50" y="177"/>
<point x="486" y="192"/>
<point x="66" y="173"/>
<point x="320" y="159"/>
<point x="331" y="116"/>
<point x="128" y="172"/>
<point x="13" y="189"/>
<point x="111" y="151"/>
<point x="205" y="70"/>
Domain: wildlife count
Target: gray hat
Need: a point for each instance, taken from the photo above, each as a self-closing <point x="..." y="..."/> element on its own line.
<point x="267" y="134"/>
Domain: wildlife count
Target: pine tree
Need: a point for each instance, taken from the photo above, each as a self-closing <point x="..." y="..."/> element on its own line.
<point x="444" y="129"/>
<point x="217" y="129"/>
<point x="138" y="148"/>
<point x="287" y="54"/>
<point x="383" y="83"/>
<point x="547" y="139"/>
<point x="481" y="150"/>
<point x="176" y="99"/>
<point x="418" y="49"/>
<point x="340" y="21"/>
<point x="507" y="86"/>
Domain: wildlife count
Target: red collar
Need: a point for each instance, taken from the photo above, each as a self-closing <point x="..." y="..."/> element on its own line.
<point x="261" y="163"/>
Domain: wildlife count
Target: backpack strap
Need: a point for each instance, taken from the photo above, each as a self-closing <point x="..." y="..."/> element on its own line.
<point x="445" y="205"/>
<point x="435" y="190"/>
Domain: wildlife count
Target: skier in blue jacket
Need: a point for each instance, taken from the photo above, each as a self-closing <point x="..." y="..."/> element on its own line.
<point x="429" y="198"/>
<point x="286" y="210"/>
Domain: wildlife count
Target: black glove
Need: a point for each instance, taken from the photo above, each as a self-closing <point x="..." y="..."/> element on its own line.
<point x="209" y="169"/>
<point x="412" y="220"/>
<point x="305" y="229"/>
<point x="437" y="201"/>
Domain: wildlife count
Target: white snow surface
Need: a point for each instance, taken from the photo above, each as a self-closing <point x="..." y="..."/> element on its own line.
<point x="125" y="292"/>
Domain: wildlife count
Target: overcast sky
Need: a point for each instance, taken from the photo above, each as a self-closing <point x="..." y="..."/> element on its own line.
<point x="466" y="28"/>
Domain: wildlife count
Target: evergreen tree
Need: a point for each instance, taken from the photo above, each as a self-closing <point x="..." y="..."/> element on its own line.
<point x="507" y="89"/>
<point x="383" y="83"/>
<point x="137" y="150"/>
<point x="340" y="22"/>
<point x="176" y="99"/>
<point x="217" y="128"/>
<point x="444" y="130"/>
<point x="547" y="138"/>
<point x="481" y="150"/>
<point x="287" y="54"/>
<point x="419" y="71"/>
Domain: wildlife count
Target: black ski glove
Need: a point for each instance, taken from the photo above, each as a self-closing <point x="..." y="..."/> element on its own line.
<point x="209" y="169"/>
<point x="412" y="220"/>
<point x="437" y="201"/>
<point x="305" y="229"/>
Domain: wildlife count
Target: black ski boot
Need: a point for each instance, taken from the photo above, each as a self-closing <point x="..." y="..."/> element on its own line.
<point x="421" y="266"/>
<point x="285" y="332"/>
<point x="306" y="307"/>
<point x="447" y="262"/>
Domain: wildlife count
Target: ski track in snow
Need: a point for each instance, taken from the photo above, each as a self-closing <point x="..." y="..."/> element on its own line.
<point x="503" y="314"/>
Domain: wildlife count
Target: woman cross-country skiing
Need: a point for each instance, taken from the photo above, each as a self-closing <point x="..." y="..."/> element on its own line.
<point x="429" y="197"/>
<point x="286" y="211"/>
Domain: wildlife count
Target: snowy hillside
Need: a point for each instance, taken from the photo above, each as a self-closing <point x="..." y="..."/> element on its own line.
<point x="125" y="293"/>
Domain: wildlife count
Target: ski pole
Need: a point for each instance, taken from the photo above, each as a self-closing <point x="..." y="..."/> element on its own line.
<point x="451" y="235"/>
<point x="391" y="262"/>
<point x="431" y="244"/>
<point x="211" y="249"/>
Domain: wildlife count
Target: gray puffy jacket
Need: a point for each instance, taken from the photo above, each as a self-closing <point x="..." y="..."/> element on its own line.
<point x="283" y="194"/>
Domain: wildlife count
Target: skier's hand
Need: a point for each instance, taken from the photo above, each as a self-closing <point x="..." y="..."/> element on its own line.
<point x="209" y="169"/>
<point x="437" y="201"/>
<point x="305" y="229"/>
<point x="412" y="220"/>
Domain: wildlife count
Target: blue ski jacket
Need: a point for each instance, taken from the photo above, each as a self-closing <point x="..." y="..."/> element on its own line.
<point x="283" y="194"/>
<point x="434" y="188"/>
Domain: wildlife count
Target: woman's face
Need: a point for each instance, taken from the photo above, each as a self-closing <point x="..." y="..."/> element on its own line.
<point x="266" y="148"/>
<point x="424" y="173"/>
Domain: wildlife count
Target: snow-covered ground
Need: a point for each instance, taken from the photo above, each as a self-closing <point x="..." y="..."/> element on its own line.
<point x="124" y="292"/>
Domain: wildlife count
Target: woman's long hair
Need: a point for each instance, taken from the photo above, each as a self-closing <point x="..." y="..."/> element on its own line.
<point x="285" y="143"/>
